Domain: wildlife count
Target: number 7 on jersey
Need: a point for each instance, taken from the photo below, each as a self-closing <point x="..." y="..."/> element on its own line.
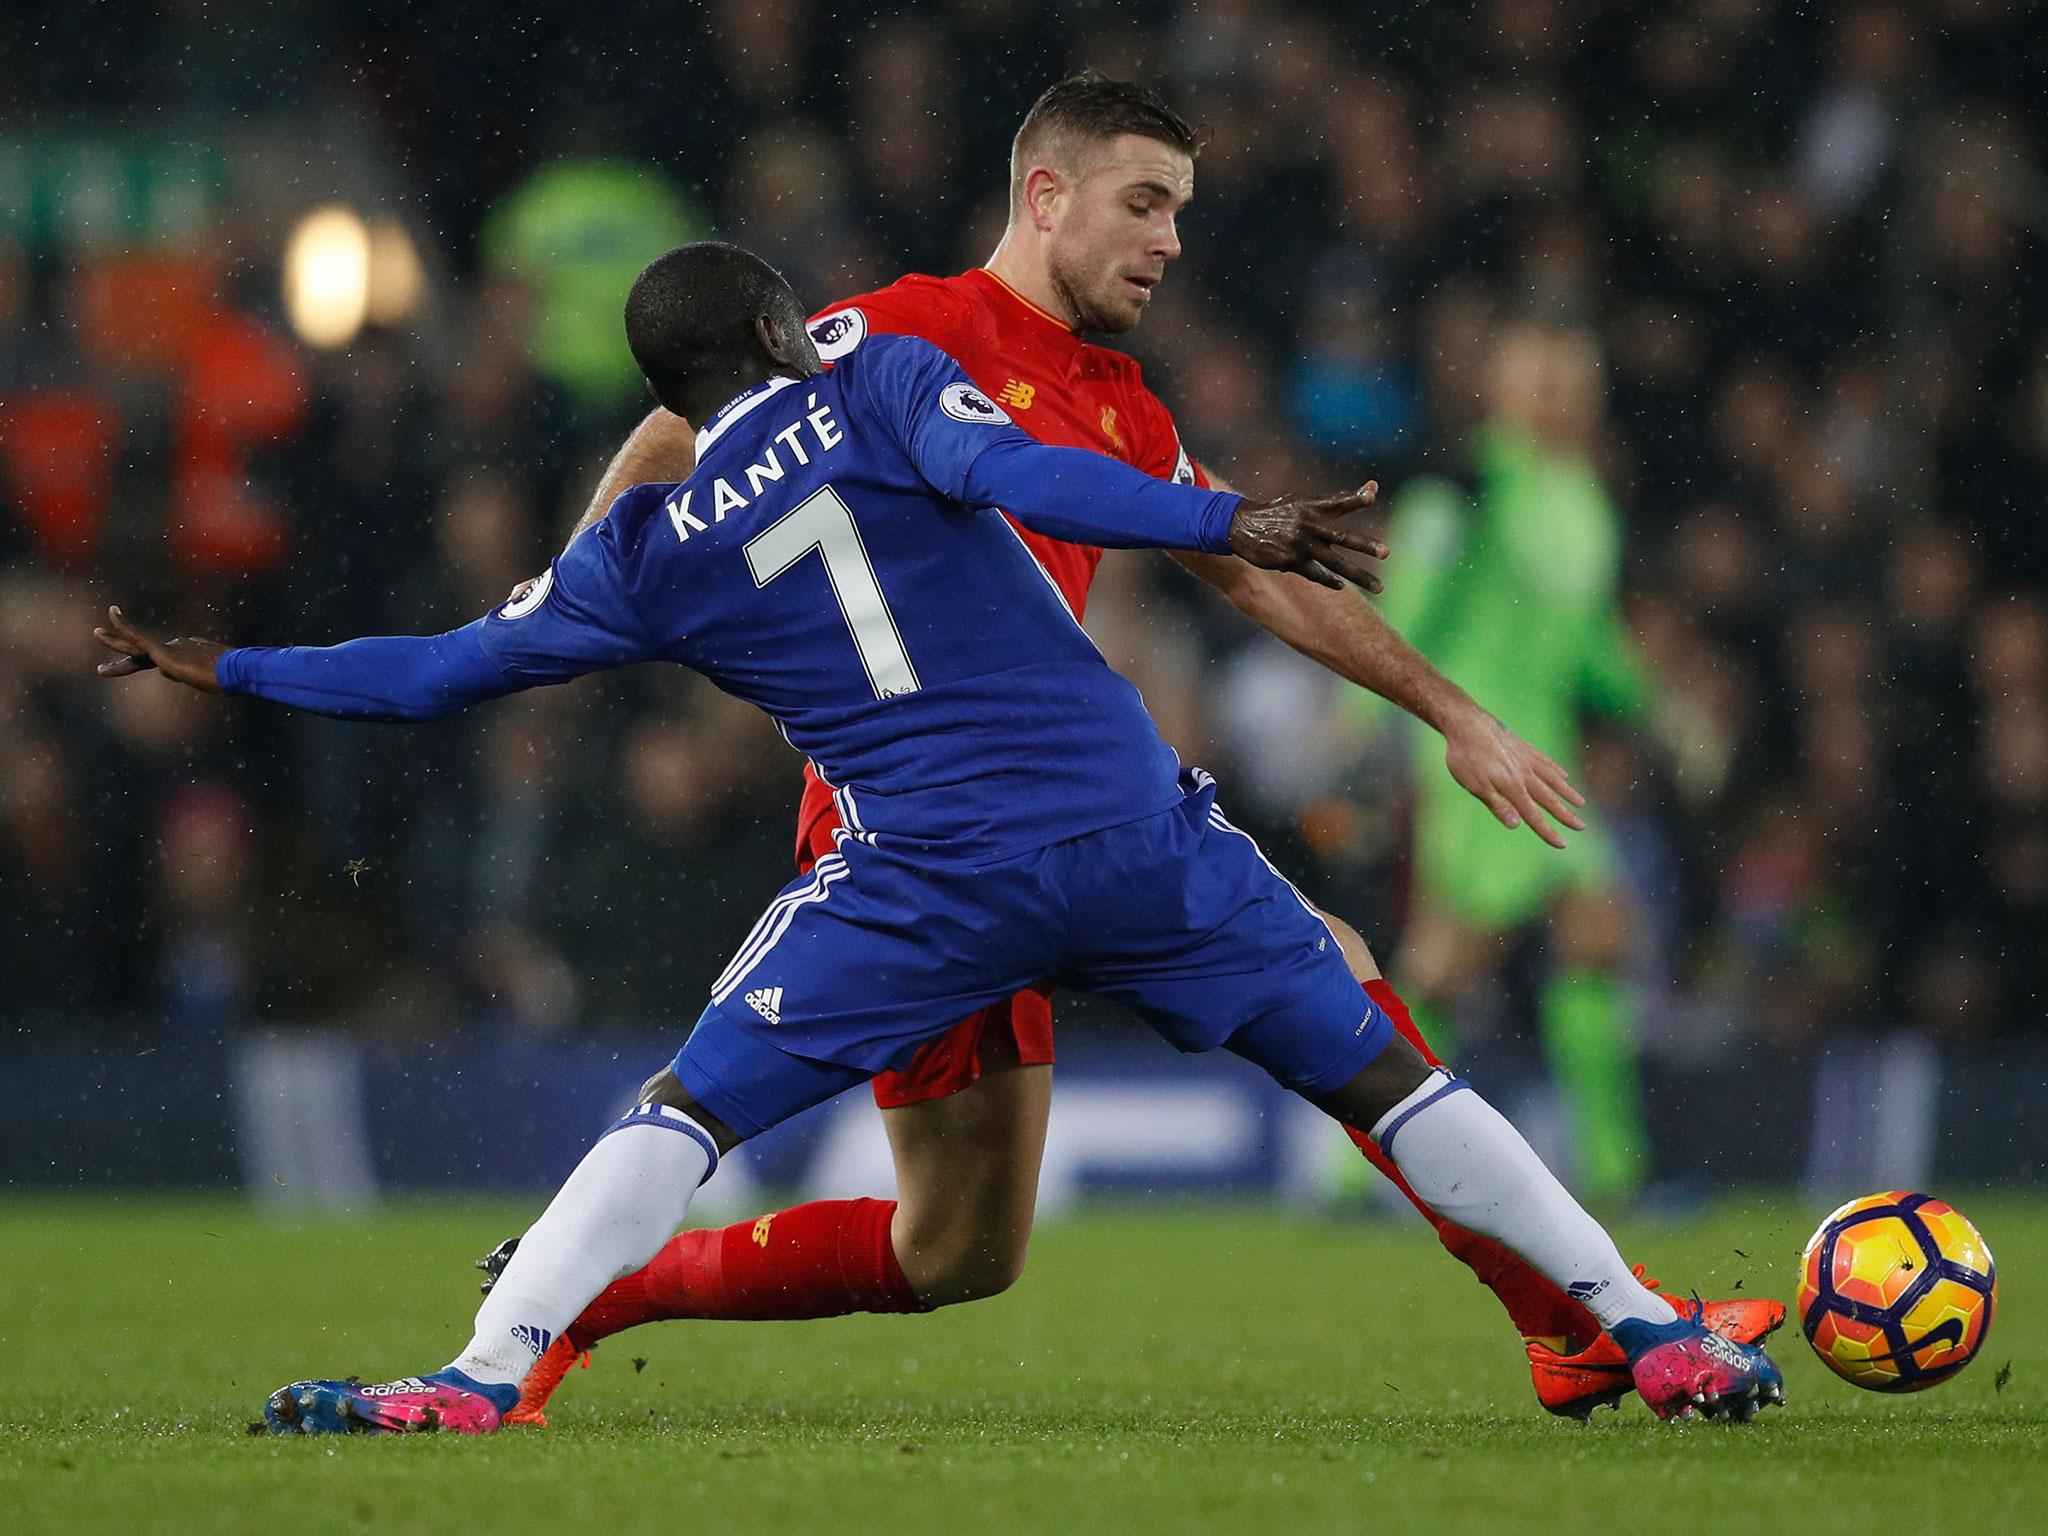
<point x="823" y="522"/>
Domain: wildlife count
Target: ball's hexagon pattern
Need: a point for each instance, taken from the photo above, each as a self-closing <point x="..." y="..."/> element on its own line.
<point x="1897" y="1291"/>
<point x="1959" y="1242"/>
<point x="1876" y="1261"/>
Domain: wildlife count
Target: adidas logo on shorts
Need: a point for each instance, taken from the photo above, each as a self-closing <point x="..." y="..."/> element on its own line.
<point x="767" y="1002"/>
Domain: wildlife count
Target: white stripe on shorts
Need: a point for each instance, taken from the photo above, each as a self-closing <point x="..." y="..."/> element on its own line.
<point x="831" y="869"/>
<point x="1222" y="824"/>
<point x="828" y="866"/>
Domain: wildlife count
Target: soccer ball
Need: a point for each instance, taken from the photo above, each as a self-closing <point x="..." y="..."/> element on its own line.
<point x="1896" y="1292"/>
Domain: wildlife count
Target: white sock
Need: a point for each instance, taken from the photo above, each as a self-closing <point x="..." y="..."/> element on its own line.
<point x="624" y="1200"/>
<point x="1463" y="1158"/>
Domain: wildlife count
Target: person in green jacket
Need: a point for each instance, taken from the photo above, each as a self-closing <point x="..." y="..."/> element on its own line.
<point x="1508" y="583"/>
<point x="577" y="232"/>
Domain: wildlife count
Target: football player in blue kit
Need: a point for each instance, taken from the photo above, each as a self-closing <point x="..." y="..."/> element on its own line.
<point x="1009" y="811"/>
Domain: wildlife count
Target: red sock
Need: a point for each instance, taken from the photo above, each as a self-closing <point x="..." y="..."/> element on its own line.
<point x="1381" y="991"/>
<point x="824" y="1259"/>
<point x="1535" y="1303"/>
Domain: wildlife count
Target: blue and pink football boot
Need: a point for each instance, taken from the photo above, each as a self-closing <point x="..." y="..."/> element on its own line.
<point x="1574" y="1379"/>
<point x="416" y="1404"/>
<point x="1685" y="1370"/>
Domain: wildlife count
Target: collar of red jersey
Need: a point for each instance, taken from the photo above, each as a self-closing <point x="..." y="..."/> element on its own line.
<point x="1039" y="310"/>
<point x="737" y="407"/>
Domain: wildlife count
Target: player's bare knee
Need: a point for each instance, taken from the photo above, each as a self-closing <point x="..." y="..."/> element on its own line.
<point x="949" y="1260"/>
<point x="975" y="1276"/>
<point x="1394" y="1074"/>
<point x="665" y="1088"/>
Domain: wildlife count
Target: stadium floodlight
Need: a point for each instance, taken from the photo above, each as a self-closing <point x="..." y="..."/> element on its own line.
<point x="327" y="277"/>
<point x="397" y="278"/>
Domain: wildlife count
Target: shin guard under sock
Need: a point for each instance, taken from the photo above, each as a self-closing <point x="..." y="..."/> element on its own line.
<point x="823" y="1259"/>
<point x="1462" y="1157"/>
<point x="1538" y="1308"/>
<point x="630" y="1191"/>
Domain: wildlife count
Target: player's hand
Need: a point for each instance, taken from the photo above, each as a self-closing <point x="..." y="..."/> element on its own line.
<point x="1511" y="778"/>
<point x="190" y="662"/>
<point x="1309" y="538"/>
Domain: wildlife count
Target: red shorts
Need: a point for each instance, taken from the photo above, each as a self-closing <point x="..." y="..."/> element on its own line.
<point x="1018" y="1030"/>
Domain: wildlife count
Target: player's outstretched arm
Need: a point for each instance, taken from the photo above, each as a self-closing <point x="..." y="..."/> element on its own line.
<point x="1087" y="497"/>
<point x="578" y="620"/>
<point x="1518" y="783"/>
<point x="383" y="677"/>
<point x="968" y="450"/>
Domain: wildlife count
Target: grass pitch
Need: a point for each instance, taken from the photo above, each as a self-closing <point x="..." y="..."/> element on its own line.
<point x="1159" y="1369"/>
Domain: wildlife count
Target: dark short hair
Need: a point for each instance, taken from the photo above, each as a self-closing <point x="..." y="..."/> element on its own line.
<point x="693" y="310"/>
<point x="1092" y="108"/>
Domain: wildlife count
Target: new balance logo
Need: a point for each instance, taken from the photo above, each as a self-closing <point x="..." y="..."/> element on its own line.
<point x="534" y="1338"/>
<point x="767" y="1002"/>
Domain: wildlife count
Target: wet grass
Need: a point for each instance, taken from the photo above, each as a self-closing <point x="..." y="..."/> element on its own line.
<point x="1160" y="1368"/>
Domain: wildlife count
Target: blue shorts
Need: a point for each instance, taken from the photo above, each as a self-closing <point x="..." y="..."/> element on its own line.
<point x="1178" y="915"/>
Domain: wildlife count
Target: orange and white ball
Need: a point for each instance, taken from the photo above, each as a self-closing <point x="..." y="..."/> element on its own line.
<point x="1897" y="1291"/>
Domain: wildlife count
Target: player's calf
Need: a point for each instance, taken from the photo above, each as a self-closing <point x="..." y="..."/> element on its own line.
<point x="967" y="1165"/>
<point x="629" y="1192"/>
<point x="1468" y="1163"/>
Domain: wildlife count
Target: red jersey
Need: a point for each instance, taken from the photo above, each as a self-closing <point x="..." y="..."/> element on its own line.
<point x="1059" y="388"/>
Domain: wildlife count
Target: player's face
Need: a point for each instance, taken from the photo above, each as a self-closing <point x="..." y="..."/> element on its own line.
<point x="1548" y="383"/>
<point x="1113" y="230"/>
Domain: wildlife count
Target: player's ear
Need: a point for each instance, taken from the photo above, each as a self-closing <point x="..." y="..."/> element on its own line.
<point x="773" y="344"/>
<point x="1042" y="188"/>
<point x="787" y="347"/>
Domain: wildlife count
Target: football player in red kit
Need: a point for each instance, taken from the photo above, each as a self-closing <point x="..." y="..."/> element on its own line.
<point x="1099" y="171"/>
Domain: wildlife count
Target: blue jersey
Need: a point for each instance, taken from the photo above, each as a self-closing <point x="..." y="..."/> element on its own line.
<point x="835" y="559"/>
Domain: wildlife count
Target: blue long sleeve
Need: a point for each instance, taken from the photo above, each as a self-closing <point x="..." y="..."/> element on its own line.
<point x="383" y="677"/>
<point x="966" y="447"/>
<point x="1089" y="498"/>
<point x="574" y="620"/>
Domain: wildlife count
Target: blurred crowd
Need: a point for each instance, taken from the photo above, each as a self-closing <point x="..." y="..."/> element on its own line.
<point x="1807" y="241"/>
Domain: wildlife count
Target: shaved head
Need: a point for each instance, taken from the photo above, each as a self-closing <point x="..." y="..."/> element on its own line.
<point x="1076" y="122"/>
<point x="706" y="320"/>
